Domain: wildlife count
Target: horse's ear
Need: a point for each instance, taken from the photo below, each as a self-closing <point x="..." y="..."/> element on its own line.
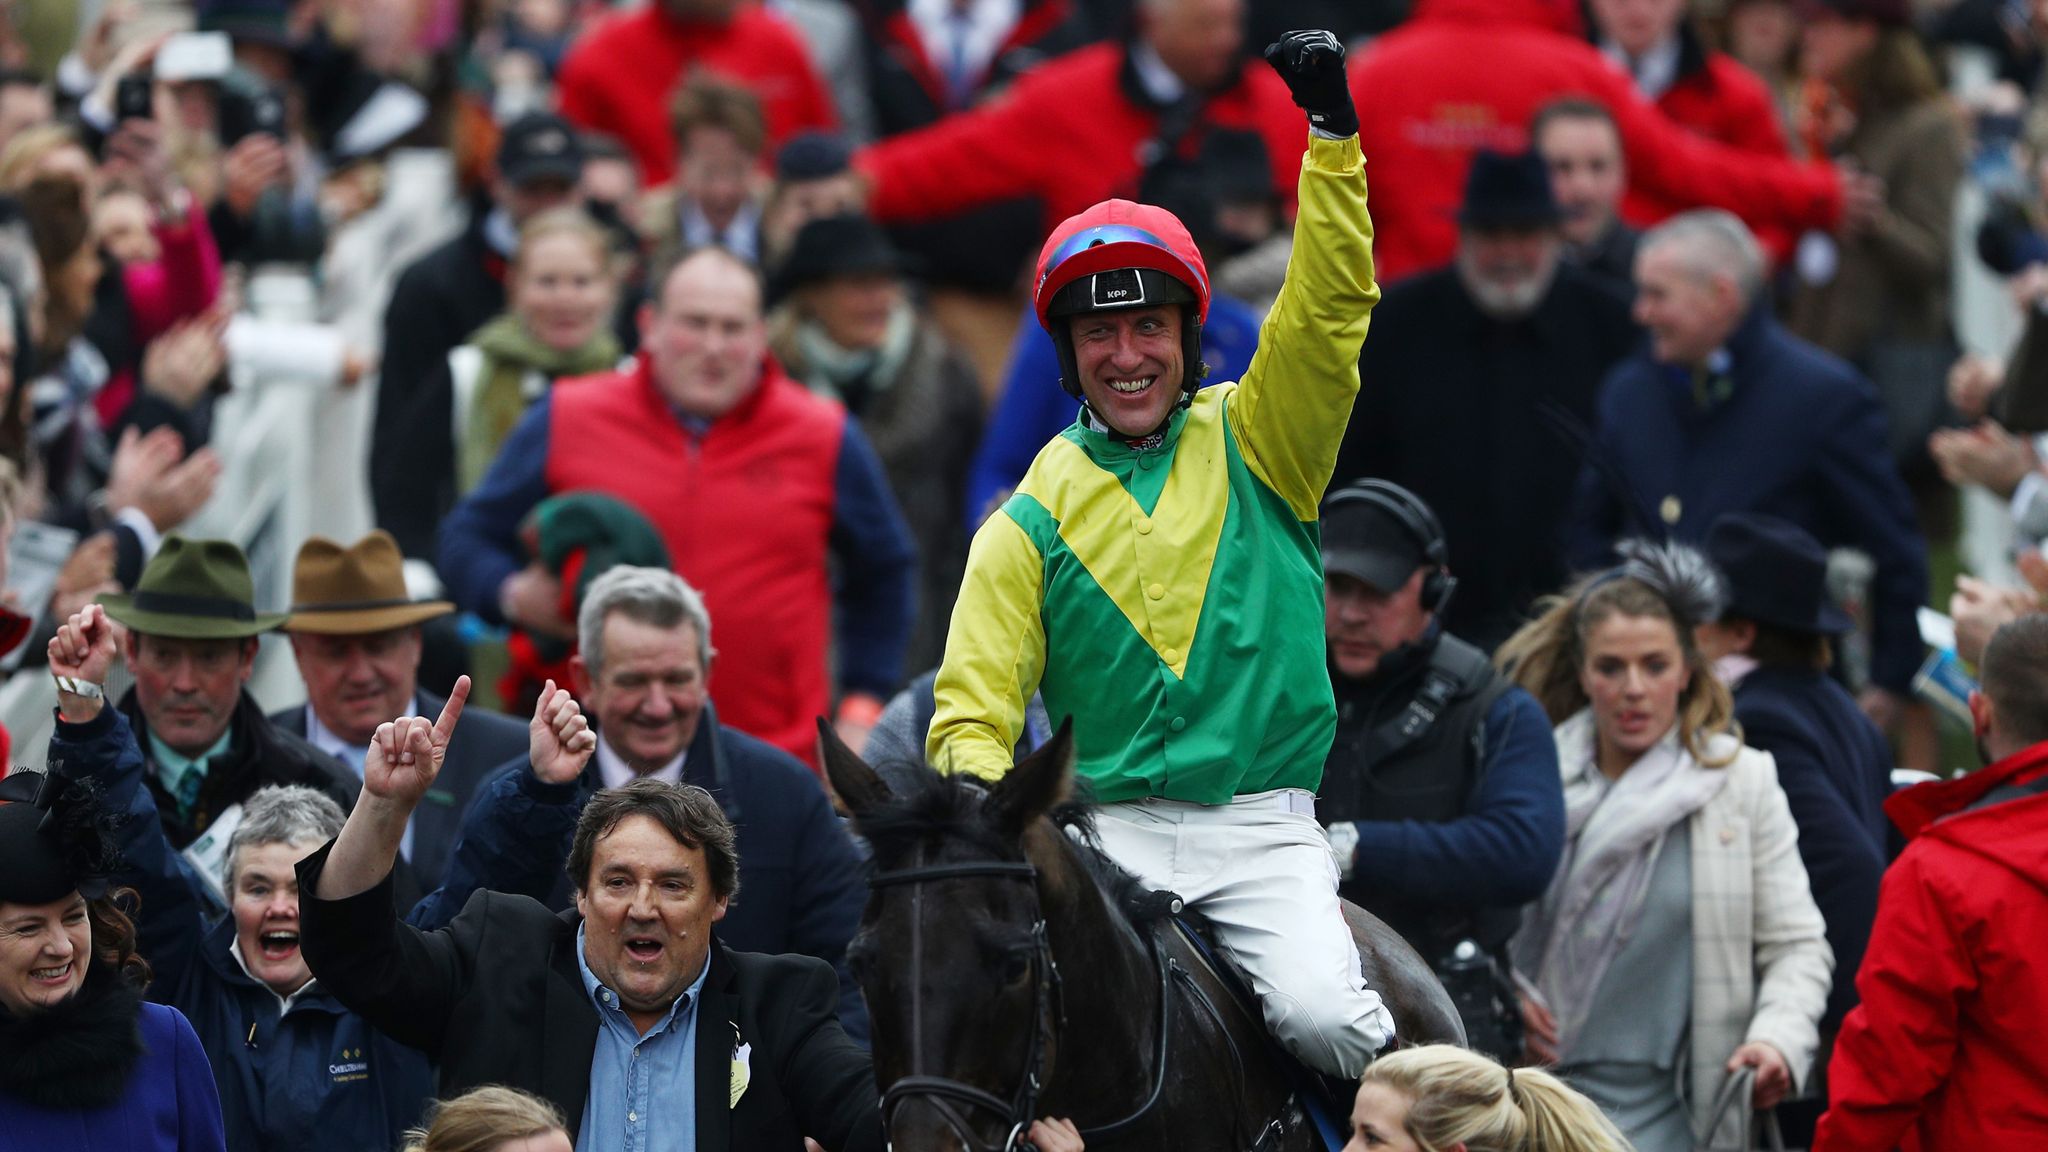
<point x="859" y="787"/>
<point x="1039" y="783"/>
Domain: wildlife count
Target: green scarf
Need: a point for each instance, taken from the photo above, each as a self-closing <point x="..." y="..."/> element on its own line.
<point x="510" y="354"/>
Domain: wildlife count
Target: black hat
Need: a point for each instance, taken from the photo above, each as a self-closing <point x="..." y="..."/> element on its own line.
<point x="1508" y="190"/>
<point x="813" y="155"/>
<point x="834" y="246"/>
<point x="1776" y="574"/>
<point x="1364" y="540"/>
<point x="53" y="840"/>
<point x="540" y="146"/>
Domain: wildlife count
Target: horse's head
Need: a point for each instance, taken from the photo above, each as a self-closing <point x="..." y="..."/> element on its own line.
<point x="952" y="953"/>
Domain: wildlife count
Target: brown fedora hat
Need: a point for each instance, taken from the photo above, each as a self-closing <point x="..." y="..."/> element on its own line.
<point x="349" y="591"/>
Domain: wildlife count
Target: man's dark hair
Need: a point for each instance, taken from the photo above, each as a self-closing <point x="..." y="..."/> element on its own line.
<point x="1570" y="108"/>
<point x="2014" y="674"/>
<point x="687" y="812"/>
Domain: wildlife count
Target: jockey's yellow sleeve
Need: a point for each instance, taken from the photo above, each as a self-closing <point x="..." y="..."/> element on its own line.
<point x="1170" y="599"/>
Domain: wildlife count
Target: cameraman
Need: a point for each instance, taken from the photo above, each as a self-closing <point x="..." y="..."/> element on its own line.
<point x="1440" y="794"/>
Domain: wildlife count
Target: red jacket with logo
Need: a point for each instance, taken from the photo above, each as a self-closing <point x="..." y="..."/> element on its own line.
<point x="1468" y="74"/>
<point x="1068" y="133"/>
<point x="1949" y="1048"/>
<point x="618" y="78"/>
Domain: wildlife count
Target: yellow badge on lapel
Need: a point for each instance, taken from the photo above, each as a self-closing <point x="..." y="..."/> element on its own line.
<point x="742" y="1057"/>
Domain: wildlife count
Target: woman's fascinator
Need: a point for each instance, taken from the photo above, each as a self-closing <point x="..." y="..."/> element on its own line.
<point x="56" y="838"/>
<point x="1680" y="575"/>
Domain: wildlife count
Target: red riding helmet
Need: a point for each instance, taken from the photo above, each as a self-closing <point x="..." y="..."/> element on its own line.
<point x="1116" y="255"/>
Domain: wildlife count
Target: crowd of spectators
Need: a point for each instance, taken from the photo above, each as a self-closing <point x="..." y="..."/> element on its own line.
<point x="692" y="344"/>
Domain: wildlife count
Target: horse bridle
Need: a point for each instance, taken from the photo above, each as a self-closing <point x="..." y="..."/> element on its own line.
<point x="1049" y="1008"/>
<point x="942" y="1092"/>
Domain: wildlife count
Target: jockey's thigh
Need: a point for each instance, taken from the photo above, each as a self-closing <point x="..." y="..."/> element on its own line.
<point x="1260" y="869"/>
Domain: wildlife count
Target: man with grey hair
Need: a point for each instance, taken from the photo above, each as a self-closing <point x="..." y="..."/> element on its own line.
<point x="1725" y="412"/>
<point x="296" y="1069"/>
<point x="643" y="674"/>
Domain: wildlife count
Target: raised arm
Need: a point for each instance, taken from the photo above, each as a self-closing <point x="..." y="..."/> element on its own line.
<point x="94" y="742"/>
<point x="516" y="836"/>
<point x="1290" y="410"/>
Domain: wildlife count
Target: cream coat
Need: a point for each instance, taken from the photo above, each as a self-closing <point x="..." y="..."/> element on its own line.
<point x="1760" y="957"/>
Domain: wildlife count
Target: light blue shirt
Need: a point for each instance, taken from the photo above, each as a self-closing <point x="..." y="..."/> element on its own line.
<point x="183" y="775"/>
<point x="643" y="1089"/>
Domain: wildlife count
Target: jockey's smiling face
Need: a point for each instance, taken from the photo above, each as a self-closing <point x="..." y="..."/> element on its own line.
<point x="1131" y="365"/>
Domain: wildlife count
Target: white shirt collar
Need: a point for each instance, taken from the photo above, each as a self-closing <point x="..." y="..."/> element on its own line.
<point x="1159" y="81"/>
<point x="323" y="738"/>
<point x="741" y="237"/>
<point x="614" y="771"/>
<point x="284" y="1003"/>
<point x="1654" y="71"/>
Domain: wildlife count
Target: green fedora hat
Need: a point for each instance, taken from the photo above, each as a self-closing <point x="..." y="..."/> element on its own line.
<point x="194" y="590"/>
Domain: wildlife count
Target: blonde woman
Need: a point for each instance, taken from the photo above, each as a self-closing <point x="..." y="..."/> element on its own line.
<point x="433" y="443"/>
<point x="492" y="1119"/>
<point x="1437" y="1098"/>
<point x="1679" y="940"/>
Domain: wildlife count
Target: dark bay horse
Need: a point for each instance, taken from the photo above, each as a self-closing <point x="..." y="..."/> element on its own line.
<point x="1011" y="973"/>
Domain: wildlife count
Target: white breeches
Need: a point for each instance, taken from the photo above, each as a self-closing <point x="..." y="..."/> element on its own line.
<point x="1260" y="869"/>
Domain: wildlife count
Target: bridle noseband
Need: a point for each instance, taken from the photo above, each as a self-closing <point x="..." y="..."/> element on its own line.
<point x="942" y="1092"/>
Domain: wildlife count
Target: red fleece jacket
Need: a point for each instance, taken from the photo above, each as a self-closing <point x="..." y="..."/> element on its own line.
<point x="1946" y="1050"/>
<point x="1068" y="134"/>
<point x="618" y="77"/>
<point x="1468" y="74"/>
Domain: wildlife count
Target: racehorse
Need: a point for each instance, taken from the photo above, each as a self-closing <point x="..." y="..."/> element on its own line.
<point x="1012" y="972"/>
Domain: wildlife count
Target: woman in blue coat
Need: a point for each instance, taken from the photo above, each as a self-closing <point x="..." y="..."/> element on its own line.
<point x="296" y="1071"/>
<point x="85" y="1064"/>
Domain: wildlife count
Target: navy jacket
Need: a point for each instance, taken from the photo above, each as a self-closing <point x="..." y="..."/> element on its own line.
<point x="802" y="883"/>
<point x="482" y="743"/>
<point x="1835" y="768"/>
<point x="312" y="1077"/>
<point x="1799" y="435"/>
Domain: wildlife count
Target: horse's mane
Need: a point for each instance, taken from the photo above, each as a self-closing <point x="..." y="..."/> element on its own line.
<point x="929" y="805"/>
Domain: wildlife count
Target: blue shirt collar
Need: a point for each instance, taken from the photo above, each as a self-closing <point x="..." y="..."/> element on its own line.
<point x="607" y="1001"/>
<point x="173" y="766"/>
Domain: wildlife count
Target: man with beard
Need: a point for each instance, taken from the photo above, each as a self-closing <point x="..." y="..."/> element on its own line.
<point x="1476" y="400"/>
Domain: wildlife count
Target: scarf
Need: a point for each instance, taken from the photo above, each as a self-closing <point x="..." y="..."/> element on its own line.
<point x="855" y="377"/>
<point x="510" y="358"/>
<point x="78" y="1053"/>
<point x="1613" y="831"/>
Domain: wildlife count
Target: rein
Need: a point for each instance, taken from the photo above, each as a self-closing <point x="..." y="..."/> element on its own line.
<point x="1048" y="1007"/>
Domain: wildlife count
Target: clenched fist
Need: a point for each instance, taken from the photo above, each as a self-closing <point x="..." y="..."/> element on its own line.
<point x="1312" y="64"/>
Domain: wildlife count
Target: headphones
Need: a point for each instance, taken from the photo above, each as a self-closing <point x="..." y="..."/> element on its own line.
<point x="1415" y="517"/>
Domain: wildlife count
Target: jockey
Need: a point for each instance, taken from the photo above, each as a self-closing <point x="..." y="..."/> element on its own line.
<point x="1157" y="576"/>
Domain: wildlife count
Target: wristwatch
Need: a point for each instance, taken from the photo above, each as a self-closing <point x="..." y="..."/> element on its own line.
<point x="77" y="687"/>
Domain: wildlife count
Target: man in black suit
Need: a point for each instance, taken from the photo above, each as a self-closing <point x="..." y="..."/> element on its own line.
<point x="356" y="636"/>
<point x="644" y="669"/>
<point x="1773" y="645"/>
<point x="1477" y="383"/>
<point x="601" y="1008"/>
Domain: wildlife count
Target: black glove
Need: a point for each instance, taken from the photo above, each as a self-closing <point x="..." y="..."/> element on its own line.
<point x="1312" y="63"/>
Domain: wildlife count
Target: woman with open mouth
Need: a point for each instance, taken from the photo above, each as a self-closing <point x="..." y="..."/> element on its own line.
<point x="295" y="1068"/>
<point x="85" y="1065"/>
